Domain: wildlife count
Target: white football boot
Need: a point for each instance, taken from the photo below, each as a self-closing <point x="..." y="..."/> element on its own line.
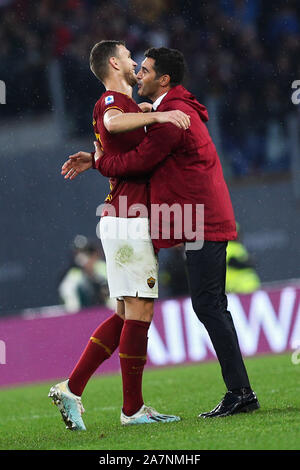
<point x="69" y="405"/>
<point x="147" y="415"/>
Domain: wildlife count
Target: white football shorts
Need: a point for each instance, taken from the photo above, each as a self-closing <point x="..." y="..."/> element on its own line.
<point x="131" y="263"/>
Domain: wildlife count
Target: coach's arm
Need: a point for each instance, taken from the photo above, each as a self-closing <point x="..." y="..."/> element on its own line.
<point x="161" y="140"/>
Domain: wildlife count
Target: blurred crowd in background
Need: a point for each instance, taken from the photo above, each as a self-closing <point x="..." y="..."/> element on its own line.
<point x="244" y="54"/>
<point x="84" y="281"/>
<point x="242" y="58"/>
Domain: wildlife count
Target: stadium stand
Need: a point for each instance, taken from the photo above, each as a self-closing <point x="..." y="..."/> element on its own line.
<point x="242" y="58"/>
<point x="238" y="53"/>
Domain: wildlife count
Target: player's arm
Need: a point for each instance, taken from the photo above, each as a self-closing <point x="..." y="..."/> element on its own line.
<point x="161" y="140"/>
<point x="115" y="121"/>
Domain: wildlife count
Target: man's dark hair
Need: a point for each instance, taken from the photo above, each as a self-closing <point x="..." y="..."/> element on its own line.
<point x="100" y="55"/>
<point x="168" y="62"/>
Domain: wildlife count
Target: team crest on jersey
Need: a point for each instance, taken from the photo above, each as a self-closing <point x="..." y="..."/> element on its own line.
<point x="109" y="99"/>
<point x="151" y="282"/>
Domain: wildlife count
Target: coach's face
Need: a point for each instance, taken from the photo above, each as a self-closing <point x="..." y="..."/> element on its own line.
<point x="148" y="84"/>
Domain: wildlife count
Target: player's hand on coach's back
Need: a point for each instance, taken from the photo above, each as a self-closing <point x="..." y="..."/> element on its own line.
<point x="98" y="152"/>
<point x="176" y="117"/>
<point x="76" y="164"/>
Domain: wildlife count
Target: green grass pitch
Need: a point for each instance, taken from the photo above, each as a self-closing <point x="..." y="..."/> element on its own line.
<point x="29" y="421"/>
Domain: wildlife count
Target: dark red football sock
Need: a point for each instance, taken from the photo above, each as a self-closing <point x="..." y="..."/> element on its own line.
<point x="101" y="345"/>
<point x="133" y="356"/>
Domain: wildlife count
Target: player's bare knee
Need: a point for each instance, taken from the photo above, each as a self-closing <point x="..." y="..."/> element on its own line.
<point x="120" y="310"/>
<point x="137" y="308"/>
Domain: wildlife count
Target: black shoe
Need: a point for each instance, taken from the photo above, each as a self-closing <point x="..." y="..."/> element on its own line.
<point x="233" y="403"/>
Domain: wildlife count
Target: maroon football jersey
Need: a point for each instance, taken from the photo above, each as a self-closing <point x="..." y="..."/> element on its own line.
<point x="135" y="189"/>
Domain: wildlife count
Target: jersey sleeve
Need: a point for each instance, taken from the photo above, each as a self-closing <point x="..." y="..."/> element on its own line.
<point x="109" y="100"/>
<point x="113" y="101"/>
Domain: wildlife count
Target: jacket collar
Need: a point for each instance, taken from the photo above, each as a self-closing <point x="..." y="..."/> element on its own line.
<point x="158" y="101"/>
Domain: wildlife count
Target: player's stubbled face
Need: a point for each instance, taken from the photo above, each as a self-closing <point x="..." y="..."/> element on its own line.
<point x="148" y="83"/>
<point x="127" y="65"/>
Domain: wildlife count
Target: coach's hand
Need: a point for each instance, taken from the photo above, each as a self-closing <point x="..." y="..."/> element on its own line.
<point x="76" y="164"/>
<point x="176" y="117"/>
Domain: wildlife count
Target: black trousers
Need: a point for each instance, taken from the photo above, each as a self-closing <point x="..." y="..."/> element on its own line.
<point x="207" y="274"/>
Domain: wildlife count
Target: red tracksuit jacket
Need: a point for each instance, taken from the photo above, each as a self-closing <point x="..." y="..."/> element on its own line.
<point x="184" y="168"/>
